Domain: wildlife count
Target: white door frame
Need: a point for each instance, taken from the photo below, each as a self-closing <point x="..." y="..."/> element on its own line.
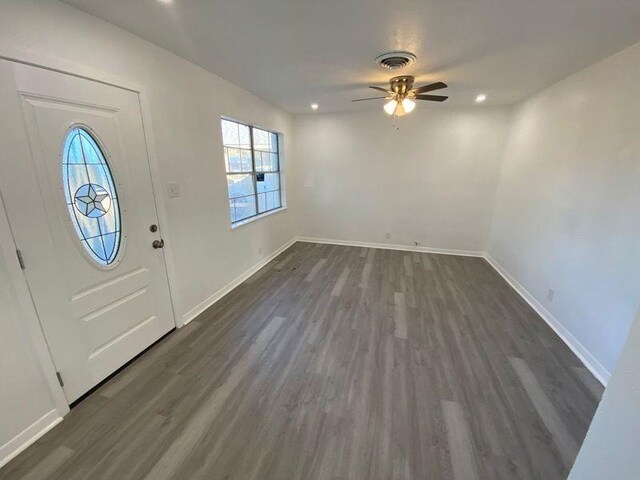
<point x="8" y="245"/>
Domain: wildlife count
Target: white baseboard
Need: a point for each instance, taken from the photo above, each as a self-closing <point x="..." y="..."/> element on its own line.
<point x="29" y="435"/>
<point x="589" y="361"/>
<point x="388" y="246"/>
<point x="202" y="306"/>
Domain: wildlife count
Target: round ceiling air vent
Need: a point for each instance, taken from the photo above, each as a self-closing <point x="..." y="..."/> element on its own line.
<point x="395" y="60"/>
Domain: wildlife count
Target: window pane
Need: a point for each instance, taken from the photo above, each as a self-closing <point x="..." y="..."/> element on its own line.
<point x="109" y="222"/>
<point x="245" y="136"/>
<point x="86" y="227"/>
<point x="74" y="153"/>
<point x="262" y="202"/>
<point x="238" y="160"/>
<point x="246" y="161"/>
<point x="268" y="201"/>
<point x="260" y="140"/>
<point x="97" y="248"/>
<point x="273" y="140"/>
<point x="233" y="159"/>
<point x="271" y="181"/>
<point x="230" y="133"/>
<point x="240" y="185"/>
<point x="241" y="208"/>
<point x="268" y="162"/>
<point x="73" y="177"/>
<point x="274" y="199"/>
<point x="260" y="163"/>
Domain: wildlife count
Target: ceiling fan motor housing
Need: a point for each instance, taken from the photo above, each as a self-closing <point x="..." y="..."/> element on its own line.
<point x="402" y="84"/>
<point x="395" y="60"/>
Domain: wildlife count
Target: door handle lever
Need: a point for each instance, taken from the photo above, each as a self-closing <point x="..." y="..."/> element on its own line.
<point x="158" y="244"/>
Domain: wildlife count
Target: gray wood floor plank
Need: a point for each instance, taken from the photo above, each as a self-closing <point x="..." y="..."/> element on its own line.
<point x="588" y="380"/>
<point x="408" y="265"/>
<point x="42" y="470"/>
<point x="366" y="275"/>
<point x="314" y="271"/>
<point x="340" y="363"/>
<point x="461" y="448"/>
<point x="340" y="283"/>
<point x="563" y="440"/>
<point x="400" y="315"/>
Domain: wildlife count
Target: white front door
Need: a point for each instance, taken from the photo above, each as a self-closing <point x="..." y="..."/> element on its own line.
<point x="74" y="174"/>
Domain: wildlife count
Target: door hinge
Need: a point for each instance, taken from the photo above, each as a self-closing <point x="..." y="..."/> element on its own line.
<point x="60" y="379"/>
<point x="20" y="259"/>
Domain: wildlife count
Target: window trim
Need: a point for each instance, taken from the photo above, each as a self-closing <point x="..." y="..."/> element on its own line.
<point x="255" y="218"/>
<point x="254" y="173"/>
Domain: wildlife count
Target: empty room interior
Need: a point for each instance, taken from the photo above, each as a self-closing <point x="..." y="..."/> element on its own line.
<point x="309" y="240"/>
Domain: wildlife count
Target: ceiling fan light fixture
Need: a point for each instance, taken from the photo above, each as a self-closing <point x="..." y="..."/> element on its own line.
<point x="390" y="106"/>
<point x="408" y="105"/>
<point x="400" y="97"/>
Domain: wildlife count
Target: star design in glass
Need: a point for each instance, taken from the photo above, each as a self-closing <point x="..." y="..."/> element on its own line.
<point x="92" y="200"/>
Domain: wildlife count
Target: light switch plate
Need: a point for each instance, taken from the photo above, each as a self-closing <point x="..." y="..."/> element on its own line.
<point x="174" y="189"/>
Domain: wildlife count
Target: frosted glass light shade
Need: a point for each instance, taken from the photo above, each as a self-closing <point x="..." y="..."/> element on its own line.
<point x="390" y="106"/>
<point x="408" y="105"/>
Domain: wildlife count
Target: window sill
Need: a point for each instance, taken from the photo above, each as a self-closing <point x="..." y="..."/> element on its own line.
<point x="242" y="223"/>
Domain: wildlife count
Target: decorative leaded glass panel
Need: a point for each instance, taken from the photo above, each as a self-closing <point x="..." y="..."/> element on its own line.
<point x="92" y="199"/>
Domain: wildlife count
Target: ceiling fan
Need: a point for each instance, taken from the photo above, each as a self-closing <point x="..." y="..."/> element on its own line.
<point x="401" y="95"/>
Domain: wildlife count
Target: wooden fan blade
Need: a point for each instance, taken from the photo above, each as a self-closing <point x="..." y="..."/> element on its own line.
<point x="430" y="88"/>
<point x="364" y="99"/>
<point x="432" y="98"/>
<point x="385" y="90"/>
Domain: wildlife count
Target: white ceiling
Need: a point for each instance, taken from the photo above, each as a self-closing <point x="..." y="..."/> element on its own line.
<point x="295" y="52"/>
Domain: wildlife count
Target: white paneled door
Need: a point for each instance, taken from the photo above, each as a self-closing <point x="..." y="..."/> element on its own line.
<point x="75" y="177"/>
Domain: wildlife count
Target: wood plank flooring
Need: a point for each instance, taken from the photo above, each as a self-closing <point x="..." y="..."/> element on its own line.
<point x="338" y="362"/>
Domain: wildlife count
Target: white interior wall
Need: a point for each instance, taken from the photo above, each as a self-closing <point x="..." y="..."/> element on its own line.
<point x="185" y="104"/>
<point x="566" y="215"/>
<point x="610" y="449"/>
<point x="433" y="181"/>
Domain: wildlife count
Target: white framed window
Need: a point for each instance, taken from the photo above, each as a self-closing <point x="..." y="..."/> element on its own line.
<point x="252" y="161"/>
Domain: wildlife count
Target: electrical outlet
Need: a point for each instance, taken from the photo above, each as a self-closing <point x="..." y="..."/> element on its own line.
<point x="387" y="235"/>
<point x="550" y="294"/>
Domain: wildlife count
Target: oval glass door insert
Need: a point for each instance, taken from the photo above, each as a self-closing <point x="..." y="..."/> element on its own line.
<point x="91" y="195"/>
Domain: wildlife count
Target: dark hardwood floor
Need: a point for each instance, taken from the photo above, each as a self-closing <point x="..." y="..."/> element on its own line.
<point x="338" y="362"/>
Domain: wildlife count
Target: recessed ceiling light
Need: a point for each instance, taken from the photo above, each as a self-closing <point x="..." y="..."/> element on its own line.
<point x="481" y="98"/>
<point x="314" y="106"/>
<point x="165" y="1"/>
